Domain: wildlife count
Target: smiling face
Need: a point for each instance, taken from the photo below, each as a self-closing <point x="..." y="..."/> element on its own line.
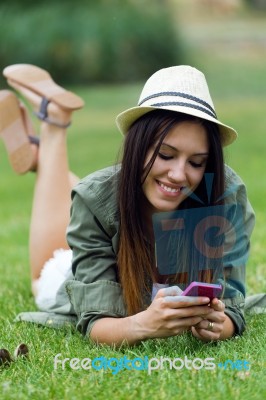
<point x="178" y="168"/>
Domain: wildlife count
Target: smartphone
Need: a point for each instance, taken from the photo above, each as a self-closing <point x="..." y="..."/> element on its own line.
<point x="210" y="290"/>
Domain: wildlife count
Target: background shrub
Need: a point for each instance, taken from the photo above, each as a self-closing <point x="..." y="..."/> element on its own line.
<point x="257" y="4"/>
<point x="88" y="41"/>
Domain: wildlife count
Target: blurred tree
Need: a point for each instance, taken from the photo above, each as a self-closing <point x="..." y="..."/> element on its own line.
<point x="257" y="4"/>
<point x="85" y="41"/>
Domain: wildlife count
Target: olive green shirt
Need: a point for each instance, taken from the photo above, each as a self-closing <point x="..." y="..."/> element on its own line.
<point x="93" y="235"/>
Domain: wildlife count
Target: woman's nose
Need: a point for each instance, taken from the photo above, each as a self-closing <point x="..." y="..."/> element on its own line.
<point x="177" y="172"/>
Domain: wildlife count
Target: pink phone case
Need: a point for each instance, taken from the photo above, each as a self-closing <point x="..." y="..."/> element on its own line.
<point x="203" y="289"/>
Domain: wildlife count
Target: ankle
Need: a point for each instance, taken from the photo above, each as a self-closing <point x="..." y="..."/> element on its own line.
<point x="53" y="115"/>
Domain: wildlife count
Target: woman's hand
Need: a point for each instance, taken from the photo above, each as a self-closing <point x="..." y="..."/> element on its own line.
<point x="170" y="314"/>
<point x="216" y="325"/>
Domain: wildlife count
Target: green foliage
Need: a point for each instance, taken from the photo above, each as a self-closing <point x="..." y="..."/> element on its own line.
<point x="91" y="40"/>
<point x="257" y="4"/>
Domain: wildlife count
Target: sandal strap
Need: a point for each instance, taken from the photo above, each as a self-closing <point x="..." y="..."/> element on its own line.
<point x="42" y="114"/>
<point x="34" y="140"/>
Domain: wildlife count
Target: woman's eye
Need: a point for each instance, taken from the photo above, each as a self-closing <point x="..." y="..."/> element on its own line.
<point x="164" y="156"/>
<point x="197" y="165"/>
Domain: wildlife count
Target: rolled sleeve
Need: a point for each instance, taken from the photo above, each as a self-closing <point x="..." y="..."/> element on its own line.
<point x="243" y="221"/>
<point x="237" y="317"/>
<point x="95" y="300"/>
<point x="93" y="237"/>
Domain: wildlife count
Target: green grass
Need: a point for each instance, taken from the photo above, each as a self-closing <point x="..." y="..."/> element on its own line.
<point x="94" y="143"/>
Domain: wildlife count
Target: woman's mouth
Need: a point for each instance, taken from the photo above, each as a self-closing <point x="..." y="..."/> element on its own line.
<point x="170" y="189"/>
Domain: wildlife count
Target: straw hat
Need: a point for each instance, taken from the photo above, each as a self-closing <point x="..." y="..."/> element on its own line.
<point x="183" y="89"/>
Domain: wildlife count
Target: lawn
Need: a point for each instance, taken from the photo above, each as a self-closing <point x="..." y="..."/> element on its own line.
<point x="93" y="143"/>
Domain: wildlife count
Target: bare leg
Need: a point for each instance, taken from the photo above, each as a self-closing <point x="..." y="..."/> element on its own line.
<point x="54" y="182"/>
<point x="51" y="200"/>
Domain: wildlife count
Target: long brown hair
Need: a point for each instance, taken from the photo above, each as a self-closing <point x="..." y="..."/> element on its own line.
<point x="135" y="261"/>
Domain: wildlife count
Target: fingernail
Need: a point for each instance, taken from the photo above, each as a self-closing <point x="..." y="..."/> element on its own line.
<point x="205" y="300"/>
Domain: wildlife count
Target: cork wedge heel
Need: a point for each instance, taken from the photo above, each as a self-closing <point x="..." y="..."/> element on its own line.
<point x="52" y="103"/>
<point x="14" y="129"/>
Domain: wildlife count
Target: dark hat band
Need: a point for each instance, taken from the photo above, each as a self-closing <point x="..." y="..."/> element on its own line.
<point x="177" y="103"/>
<point x="184" y="95"/>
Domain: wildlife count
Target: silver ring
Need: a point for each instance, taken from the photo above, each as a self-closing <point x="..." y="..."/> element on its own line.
<point x="210" y="326"/>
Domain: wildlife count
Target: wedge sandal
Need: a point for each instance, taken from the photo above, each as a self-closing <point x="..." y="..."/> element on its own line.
<point x="14" y="134"/>
<point x="40" y="82"/>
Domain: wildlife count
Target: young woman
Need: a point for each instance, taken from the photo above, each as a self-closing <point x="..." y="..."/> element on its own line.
<point x="108" y="284"/>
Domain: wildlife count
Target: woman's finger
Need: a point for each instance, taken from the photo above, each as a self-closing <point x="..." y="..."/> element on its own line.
<point x="217" y="305"/>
